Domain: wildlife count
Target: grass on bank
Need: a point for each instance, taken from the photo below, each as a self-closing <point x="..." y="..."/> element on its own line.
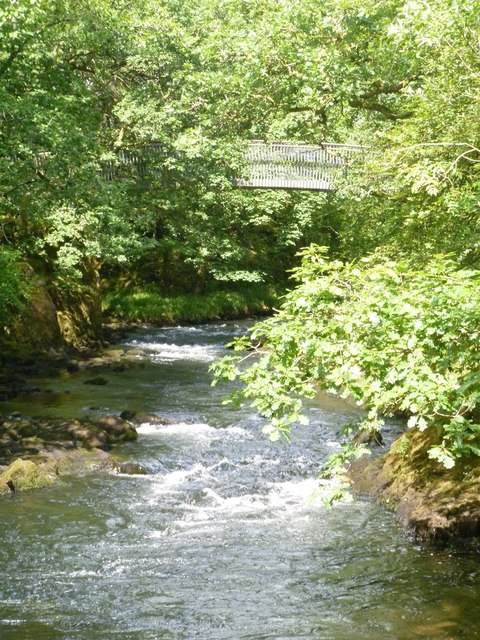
<point x="147" y="304"/>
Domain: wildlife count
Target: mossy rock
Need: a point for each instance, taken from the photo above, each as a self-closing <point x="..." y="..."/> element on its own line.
<point x="127" y="468"/>
<point x="113" y="354"/>
<point x="433" y="503"/>
<point x="23" y="475"/>
<point x="135" y="352"/>
<point x="141" y="418"/>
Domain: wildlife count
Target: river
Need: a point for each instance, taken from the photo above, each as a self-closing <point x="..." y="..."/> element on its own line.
<point x="222" y="540"/>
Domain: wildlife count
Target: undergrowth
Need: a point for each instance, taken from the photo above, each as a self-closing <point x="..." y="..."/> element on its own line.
<point x="147" y="304"/>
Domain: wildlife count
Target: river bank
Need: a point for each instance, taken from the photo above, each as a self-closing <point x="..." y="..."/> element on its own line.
<point x="433" y="504"/>
<point x="43" y="450"/>
<point x="57" y="338"/>
<point x="36" y="450"/>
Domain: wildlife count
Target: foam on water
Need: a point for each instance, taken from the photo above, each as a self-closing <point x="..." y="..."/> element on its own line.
<point x="292" y="494"/>
<point x="193" y="430"/>
<point x="285" y="504"/>
<point x="277" y="500"/>
<point x="224" y="510"/>
<point x="84" y="573"/>
<point x="179" y="478"/>
<point x="167" y="352"/>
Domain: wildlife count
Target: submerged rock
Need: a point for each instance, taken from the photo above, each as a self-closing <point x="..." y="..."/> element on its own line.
<point x="97" y="381"/>
<point x="127" y="414"/>
<point x="142" y="418"/>
<point x="434" y="504"/>
<point x="127" y="468"/>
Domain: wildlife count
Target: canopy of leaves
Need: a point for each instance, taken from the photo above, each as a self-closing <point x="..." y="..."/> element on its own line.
<point x="393" y="337"/>
<point x="394" y="323"/>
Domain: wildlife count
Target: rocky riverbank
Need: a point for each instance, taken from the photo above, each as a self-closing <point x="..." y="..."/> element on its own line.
<point x="35" y="451"/>
<point x="434" y="504"/>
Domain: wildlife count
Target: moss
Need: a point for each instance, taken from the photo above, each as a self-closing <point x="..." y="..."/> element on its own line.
<point x="23" y="475"/>
<point x="117" y="429"/>
<point x="56" y="448"/>
<point x="432" y="502"/>
<point x="36" y="327"/>
<point x="30" y="436"/>
<point x="113" y="354"/>
<point x="401" y="447"/>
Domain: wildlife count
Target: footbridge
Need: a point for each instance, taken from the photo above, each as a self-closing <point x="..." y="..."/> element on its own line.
<point x="267" y="165"/>
<point x="293" y="165"/>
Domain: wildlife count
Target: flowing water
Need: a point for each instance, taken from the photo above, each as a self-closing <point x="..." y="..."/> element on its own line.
<point x="222" y="539"/>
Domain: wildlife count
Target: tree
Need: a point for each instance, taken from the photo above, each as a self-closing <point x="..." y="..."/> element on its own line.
<point x="394" y="324"/>
<point x="419" y="194"/>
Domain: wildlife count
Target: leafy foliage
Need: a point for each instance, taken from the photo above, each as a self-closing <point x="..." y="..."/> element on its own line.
<point x="386" y="319"/>
<point x="393" y="337"/>
<point x="80" y="80"/>
<point x="13" y="287"/>
<point x="420" y="191"/>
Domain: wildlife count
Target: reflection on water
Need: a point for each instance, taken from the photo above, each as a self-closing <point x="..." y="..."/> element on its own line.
<point x="222" y="539"/>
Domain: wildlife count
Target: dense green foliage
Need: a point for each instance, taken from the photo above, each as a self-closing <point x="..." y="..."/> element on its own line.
<point x="80" y="80"/>
<point x="144" y="304"/>
<point x="395" y="323"/>
<point x="420" y="193"/>
<point x="392" y="337"/>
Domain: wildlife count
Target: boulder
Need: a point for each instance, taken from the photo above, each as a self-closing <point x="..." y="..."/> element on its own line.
<point x="117" y="429"/>
<point x="22" y="475"/>
<point x="130" y="468"/>
<point x="142" y="418"/>
<point x="113" y="353"/>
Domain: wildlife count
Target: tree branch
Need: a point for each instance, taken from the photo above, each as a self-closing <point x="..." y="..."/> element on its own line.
<point x="359" y="103"/>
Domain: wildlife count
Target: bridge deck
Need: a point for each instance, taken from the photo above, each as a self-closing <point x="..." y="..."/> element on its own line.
<point x="276" y="165"/>
<point x="286" y="165"/>
<point x="285" y="183"/>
